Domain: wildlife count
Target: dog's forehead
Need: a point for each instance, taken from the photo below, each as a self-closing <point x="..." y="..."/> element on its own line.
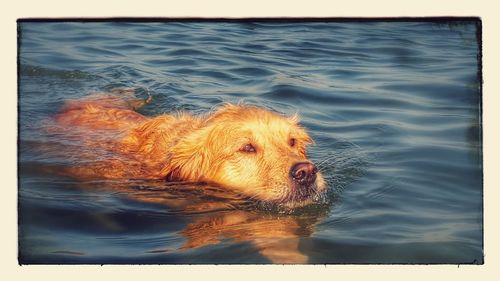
<point x="269" y="128"/>
<point x="257" y="123"/>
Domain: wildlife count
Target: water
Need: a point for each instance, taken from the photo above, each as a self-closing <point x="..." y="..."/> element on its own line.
<point x="394" y="109"/>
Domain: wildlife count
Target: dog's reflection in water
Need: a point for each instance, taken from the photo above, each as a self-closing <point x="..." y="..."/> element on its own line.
<point x="219" y="216"/>
<point x="276" y="239"/>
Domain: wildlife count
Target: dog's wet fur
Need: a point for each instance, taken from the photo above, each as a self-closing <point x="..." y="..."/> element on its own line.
<point x="246" y="149"/>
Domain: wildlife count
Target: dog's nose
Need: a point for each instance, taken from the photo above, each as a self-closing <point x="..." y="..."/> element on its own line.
<point x="304" y="173"/>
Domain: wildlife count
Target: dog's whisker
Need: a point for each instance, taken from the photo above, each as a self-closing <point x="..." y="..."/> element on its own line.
<point x="328" y="158"/>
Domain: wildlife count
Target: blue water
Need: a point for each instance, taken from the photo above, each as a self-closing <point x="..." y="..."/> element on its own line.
<point x="394" y="109"/>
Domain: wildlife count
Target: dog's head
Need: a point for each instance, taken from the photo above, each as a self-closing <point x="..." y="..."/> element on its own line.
<point x="253" y="151"/>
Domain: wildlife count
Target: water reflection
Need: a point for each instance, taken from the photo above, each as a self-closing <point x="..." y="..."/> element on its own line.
<point x="217" y="215"/>
<point x="276" y="237"/>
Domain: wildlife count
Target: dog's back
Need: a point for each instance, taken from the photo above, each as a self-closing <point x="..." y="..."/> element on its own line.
<point x="100" y="111"/>
<point x="135" y="146"/>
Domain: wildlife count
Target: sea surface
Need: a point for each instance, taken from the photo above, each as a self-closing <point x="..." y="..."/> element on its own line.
<point x="394" y="108"/>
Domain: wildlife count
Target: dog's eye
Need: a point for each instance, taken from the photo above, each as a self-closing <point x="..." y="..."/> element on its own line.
<point x="248" y="148"/>
<point x="292" y="142"/>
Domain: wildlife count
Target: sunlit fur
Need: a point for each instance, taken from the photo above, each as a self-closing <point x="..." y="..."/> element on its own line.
<point x="195" y="148"/>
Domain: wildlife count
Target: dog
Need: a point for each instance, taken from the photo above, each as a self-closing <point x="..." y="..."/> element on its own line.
<point x="245" y="149"/>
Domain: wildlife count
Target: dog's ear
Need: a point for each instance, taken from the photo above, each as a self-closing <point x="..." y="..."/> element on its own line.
<point x="192" y="158"/>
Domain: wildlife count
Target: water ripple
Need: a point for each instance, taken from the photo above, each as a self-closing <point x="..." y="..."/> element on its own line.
<point x="394" y="109"/>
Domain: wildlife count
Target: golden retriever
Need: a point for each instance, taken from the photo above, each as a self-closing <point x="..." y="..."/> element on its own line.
<point x="246" y="149"/>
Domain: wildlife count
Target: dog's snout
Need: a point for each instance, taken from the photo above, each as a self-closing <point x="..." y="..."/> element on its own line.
<point x="304" y="173"/>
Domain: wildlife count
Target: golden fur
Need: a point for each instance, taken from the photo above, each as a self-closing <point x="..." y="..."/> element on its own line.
<point x="191" y="148"/>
